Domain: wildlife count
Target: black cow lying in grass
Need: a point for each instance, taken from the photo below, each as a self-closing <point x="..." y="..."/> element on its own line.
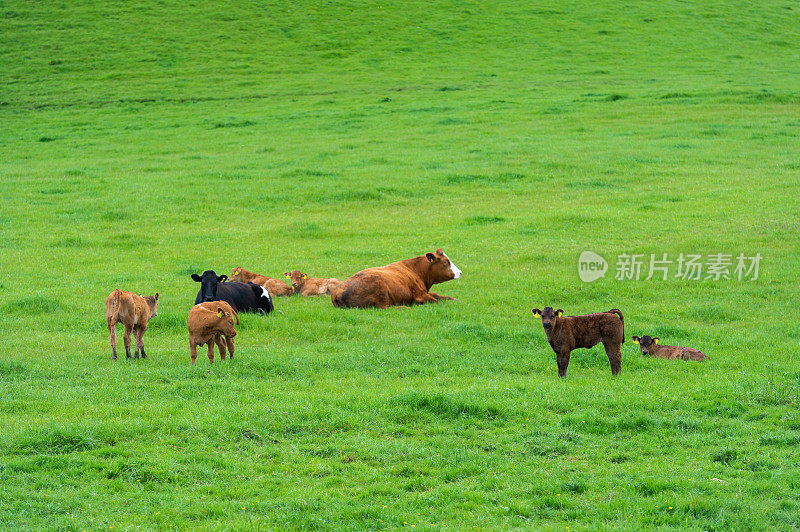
<point x="243" y="297"/>
<point x="565" y="333"/>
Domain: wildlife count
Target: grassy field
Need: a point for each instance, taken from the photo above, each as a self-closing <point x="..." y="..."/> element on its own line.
<point x="141" y="142"/>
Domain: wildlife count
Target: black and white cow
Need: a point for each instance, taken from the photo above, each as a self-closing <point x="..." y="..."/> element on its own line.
<point x="243" y="297"/>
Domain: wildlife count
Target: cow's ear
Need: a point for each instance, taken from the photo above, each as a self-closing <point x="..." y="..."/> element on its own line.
<point x="559" y="313"/>
<point x="222" y="278"/>
<point x="656" y="339"/>
<point x="537" y="312"/>
<point x="156" y="296"/>
<point x="220" y="312"/>
<point x="287" y="275"/>
<point x="197" y="278"/>
<point x="305" y="276"/>
<point x="635" y="339"/>
<point x="431" y="257"/>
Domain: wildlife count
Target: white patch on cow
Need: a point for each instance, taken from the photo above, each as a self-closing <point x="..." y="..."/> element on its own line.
<point x="266" y="293"/>
<point x="454" y="268"/>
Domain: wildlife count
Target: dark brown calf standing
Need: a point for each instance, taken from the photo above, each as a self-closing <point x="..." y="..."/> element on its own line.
<point x="134" y="312"/>
<point x="565" y="333"/>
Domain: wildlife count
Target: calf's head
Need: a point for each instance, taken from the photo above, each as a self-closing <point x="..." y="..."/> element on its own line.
<point x="646" y="343"/>
<point x="236" y="273"/>
<point x="208" y="284"/>
<point x="225" y="322"/>
<point x="548" y="315"/>
<point x="441" y="267"/>
<point x="152" y="302"/>
<point x="297" y="278"/>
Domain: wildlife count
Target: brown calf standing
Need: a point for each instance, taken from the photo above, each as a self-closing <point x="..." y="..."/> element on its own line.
<point x="208" y="323"/>
<point x="650" y="346"/>
<point x="276" y="287"/>
<point x="134" y="312"/>
<point x="311" y="286"/>
<point x="565" y="333"/>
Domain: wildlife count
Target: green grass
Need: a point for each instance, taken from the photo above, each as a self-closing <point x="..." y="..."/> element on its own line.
<point x="142" y="142"/>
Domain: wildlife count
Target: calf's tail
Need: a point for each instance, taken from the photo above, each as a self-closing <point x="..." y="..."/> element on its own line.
<point x="618" y="313"/>
<point x="114" y="312"/>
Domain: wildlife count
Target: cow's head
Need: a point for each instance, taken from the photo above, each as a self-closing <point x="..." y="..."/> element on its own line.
<point x="236" y="273"/>
<point x="548" y="315"/>
<point x="441" y="268"/>
<point x="646" y="343"/>
<point x="264" y="298"/>
<point x="152" y="302"/>
<point x="297" y="279"/>
<point x="225" y="320"/>
<point x="208" y="284"/>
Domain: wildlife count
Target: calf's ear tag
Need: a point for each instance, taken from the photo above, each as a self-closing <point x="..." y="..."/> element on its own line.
<point x="537" y="314"/>
<point x="635" y="341"/>
<point x="655" y="341"/>
<point x="559" y="314"/>
<point x="305" y="277"/>
<point x="219" y="314"/>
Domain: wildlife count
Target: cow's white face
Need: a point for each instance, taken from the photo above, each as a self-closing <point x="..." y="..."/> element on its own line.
<point x="454" y="268"/>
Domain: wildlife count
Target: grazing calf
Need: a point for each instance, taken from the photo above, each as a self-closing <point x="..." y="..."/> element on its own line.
<point x="405" y="282"/>
<point x="208" y="323"/>
<point x="243" y="297"/>
<point x="650" y="346"/>
<point x="134" y="312"/>
<point x="275" y="286"/>
<point x="565" y="333"/>
<point x="311" y="286"/>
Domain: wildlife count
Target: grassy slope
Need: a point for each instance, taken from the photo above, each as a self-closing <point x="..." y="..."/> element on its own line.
<point x="166" y="139"/>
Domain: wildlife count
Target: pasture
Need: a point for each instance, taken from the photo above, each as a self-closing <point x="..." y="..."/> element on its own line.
<point x="142" y="142"/>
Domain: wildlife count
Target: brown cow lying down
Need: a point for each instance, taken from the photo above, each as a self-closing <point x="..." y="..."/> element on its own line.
<point x="401" y="283"/>
<point x="650" y="346"/>
<point x="311" y="286"/>
<point x="134" y="312"/>
<point x="208" y="323"/>
<point x="565" y="333"/>
<point x="276" y="287"/>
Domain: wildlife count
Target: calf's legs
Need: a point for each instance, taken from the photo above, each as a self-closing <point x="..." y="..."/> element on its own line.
<point x="112" y="331"/>
<point x="614" y="354"/>
<point x="221" y="346"/>
<point x="211" y="351"/>
<point x="126" y="338"/>
<point x="138" y="334"/>
<point x="229" y="341"/>
<point x="563" y="361"/>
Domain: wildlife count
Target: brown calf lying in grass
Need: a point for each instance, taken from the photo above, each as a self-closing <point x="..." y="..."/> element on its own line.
<point x="134" y="312"/>
<point x="208" y="323"/>
<point x="565" y="333"/>
<point x="276" y="287"/>
<point x="311" y="286"/>
<point x="650" y="346"/>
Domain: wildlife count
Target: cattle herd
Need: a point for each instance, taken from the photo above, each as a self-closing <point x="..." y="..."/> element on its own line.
<point x="213" y="319"/>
